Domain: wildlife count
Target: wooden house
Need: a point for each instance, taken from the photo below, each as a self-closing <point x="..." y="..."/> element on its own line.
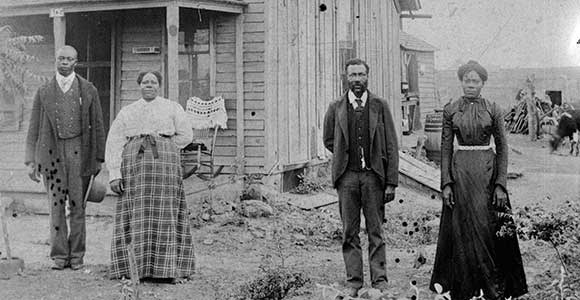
<point x="277" y="63"/>
<point x="418" y="79"/>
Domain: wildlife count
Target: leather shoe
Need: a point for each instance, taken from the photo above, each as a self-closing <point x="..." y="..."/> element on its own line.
<point x="77" y="266"/>
<point x="60" y="264"/>
<point x="352" y="292"/>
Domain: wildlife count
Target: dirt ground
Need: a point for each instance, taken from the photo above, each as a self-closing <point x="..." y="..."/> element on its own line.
<point x="230" y="253"/>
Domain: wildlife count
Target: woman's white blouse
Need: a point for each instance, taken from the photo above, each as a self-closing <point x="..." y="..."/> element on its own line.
<point x="157" y="117"/>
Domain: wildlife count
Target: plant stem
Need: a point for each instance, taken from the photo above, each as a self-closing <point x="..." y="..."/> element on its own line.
<point x="559" y="256"/>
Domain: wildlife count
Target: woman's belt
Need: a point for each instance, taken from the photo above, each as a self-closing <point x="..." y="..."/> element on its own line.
<point x="148" y="140"/>
<point x="474" y="147"/>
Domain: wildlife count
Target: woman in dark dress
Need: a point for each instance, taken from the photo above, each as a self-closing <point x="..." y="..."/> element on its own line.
<point x="470" y="257"/>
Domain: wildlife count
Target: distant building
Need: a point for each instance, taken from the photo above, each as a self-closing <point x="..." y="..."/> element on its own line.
<point x="418" y="79"/>
<point x="560" y="84"/>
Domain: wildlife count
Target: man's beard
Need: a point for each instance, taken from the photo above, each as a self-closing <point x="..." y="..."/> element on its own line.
<point x="358" y="88"/>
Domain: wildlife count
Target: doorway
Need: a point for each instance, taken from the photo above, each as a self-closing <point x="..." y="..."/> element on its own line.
<point x="92" y="34"/>
<point x="555" y="97"/>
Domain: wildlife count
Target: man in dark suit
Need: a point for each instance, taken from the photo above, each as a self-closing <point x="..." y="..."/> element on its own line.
<point x="66" y="145"/>
<point x="360" y="132"/>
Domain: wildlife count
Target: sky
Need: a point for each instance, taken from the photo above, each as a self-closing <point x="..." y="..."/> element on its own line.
<point x="500" y="33"/>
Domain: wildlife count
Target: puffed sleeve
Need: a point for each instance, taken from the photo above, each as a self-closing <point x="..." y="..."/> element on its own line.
<point x="183" y="130"/>
<point x="447" y="146"/>
<point x="114" y="149"/>
<point x="501" y="147"/>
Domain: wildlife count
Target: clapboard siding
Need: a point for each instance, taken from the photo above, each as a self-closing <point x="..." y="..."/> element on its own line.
<point x="138" y="31"/>
<point x="225" y="38"/>
<point x="428" y="101"/>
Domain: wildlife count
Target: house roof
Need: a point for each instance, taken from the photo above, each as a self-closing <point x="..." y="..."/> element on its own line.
<point x="410" y="42"/>
<point x="32" y="7"/>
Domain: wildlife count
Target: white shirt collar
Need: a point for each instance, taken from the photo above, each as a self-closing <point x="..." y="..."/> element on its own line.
<point x="65" y="82"/>
<point x="352" y="98"/>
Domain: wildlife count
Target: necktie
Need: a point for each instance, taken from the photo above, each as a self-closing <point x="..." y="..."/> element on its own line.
<point x="358" y="102"/>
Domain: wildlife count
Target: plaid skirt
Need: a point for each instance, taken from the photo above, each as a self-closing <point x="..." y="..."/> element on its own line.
<point x="151" y="215"/>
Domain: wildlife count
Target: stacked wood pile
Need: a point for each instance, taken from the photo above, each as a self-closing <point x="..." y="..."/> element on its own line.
<point x="516" y="120"/>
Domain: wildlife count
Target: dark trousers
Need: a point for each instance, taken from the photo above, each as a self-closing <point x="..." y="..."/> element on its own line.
<point x="67" y="241"/>
<point x="364" y="190"/>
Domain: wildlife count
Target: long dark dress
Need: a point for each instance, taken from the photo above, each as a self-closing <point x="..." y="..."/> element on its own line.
<point x="470" y="257"/>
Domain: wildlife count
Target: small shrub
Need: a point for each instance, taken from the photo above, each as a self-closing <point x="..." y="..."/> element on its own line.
<point x="273" y="284"/>
<point x="312" y="182"/>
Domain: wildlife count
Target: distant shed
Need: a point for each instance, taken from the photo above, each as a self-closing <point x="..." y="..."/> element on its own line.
<point x="418" y="75"/>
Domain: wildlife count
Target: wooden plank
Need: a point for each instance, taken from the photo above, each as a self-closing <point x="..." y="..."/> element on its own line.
<point x="240" y="123"/>
<point x="172" y="24"/>
<point x="254" y="56"/>
<point x="256" y="17"/>
<point x="253" y="77"/>
<point x="270" y="95"/>
<point x="420" y="172"/>
<point x="254" y="47"/>
<point x="253" y="87"/>
<point x="212" y="55"/>
<point x="311" y="79"/>
<point x="255" y="8"/>
<point x="226" y="58"/>
<point x="253" y="27"/>
<point x="224" y="38"/>
<point x="302" y="80"/>
<point x="292" y="132"/>
<point x="254" y="37"/>
<point x="59" y="31"/>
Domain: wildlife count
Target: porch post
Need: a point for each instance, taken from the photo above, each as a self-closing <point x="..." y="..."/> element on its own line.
<point x="172" y="22"/>
<point x="59" y="28"/>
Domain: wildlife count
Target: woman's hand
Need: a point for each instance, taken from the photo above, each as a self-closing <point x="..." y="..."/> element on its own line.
<point x="447" y="196"/>
<point x="117" y="186"/>
<point x="499" y="198"/>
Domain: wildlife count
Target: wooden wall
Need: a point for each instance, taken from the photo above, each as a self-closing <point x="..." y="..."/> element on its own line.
<point x="142" y="28"/>
<point x="303" y="68"/>
<point x="428" y="101"/>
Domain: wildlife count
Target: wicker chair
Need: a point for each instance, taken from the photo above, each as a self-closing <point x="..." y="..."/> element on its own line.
<point x="207" y="118"/>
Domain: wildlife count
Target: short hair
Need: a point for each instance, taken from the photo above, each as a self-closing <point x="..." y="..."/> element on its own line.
<point x="472" y="65"/>
<point x="142" y="74"/>
<point x="356" y="61"/>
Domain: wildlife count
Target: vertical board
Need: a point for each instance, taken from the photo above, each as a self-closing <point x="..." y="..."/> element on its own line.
<point x="240" y="124"/>
<point x="303" y="63"/>
<point x="283" y="84"/>
<point x="293" y="61"/>
<point x="271" y="84"/>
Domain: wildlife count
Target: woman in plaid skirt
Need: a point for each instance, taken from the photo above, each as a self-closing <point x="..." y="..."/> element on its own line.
<point x="143" y="159"/>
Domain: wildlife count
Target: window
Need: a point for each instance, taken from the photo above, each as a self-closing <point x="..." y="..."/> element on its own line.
<point x="194" y="54"/>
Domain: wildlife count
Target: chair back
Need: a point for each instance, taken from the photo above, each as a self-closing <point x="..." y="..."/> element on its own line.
<point x="206" y="118"/>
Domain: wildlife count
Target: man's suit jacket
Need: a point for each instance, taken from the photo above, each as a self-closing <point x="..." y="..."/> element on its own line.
<point x="384" y="154"/>
<point x="41" y="142"/>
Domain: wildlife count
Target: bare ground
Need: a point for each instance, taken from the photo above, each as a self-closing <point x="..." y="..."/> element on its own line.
<point x="230" y="254"/>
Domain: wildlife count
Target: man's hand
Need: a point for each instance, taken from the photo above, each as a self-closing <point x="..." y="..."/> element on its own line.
<point x="33" y="172"/>
<point x="117" y="186"/>
<point x="447" y="196"/>
<point x="499" y="198"/>
<point x="389" y="194"/>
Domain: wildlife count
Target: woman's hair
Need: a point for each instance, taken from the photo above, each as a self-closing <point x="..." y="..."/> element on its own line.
<point x="142" y="74"/>
<point x="472" y="65"/>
